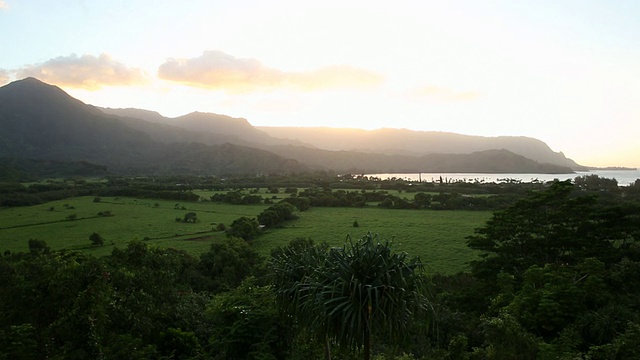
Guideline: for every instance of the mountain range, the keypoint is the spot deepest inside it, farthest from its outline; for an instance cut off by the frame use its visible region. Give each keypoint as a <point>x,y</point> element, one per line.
<point>41,124</point>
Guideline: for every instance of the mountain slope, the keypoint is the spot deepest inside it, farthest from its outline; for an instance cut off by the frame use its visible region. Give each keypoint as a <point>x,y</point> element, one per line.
<point>488,161</point>
<point>207,128</point>
<point>402,145</point>
<point>40,121</point>
<point>409,142</point>
<point>215,128</point>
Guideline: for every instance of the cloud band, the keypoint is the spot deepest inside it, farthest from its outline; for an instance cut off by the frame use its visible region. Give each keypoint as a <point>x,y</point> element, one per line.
<point>87,72</point>
<point>218,70</point>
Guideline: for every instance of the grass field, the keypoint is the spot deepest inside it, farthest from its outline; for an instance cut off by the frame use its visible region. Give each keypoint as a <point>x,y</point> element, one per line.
<point>133,219</point>
<point>438,237</point>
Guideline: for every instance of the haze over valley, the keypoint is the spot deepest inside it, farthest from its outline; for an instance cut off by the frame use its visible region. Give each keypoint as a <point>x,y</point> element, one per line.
<point>43,123</point>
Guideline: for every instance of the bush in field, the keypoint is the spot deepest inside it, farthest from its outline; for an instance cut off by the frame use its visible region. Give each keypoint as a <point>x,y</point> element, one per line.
<point>38,246</point>
<point>96,239</point>
<point>190,217</point>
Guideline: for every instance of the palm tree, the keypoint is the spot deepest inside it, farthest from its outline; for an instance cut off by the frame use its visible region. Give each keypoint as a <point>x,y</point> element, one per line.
<point>292,268</point>
<point>350,293</point>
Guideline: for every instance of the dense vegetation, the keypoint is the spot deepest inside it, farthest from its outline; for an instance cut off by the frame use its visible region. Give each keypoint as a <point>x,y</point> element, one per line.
<point>557,280</point>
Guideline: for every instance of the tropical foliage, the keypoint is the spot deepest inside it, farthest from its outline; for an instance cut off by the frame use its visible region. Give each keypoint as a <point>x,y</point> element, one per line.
<point>349,294</point>
<point>557,280</point>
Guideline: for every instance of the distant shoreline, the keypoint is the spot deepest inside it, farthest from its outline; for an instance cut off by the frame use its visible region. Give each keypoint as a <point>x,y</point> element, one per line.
<point>623,176</point>
<point>613,168</point>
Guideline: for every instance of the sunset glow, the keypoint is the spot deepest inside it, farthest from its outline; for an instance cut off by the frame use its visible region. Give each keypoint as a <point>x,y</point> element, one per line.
<point>567,73</point>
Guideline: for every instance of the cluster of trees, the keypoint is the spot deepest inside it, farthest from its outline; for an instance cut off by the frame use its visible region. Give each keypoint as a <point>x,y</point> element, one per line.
<point>141,302</point>
<point>181,188</point>
<point>16,194</point>
<point>277,214</point>
<point>557,280</point>
<point>415,200</point>
<point>144,302</point>
<point>248,228</point>
<point>322,189</point>
<point>237,198</point>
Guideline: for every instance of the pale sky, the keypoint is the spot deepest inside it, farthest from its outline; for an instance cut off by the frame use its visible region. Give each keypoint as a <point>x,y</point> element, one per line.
<point>565,72</point>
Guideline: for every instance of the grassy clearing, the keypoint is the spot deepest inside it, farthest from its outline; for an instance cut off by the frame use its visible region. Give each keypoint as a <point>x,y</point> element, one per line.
<point>133,219</point>
<point>438,237</point>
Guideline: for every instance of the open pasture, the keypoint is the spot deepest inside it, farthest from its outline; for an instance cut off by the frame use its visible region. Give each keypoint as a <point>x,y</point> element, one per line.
<point>438,237</point>
<point>132,219</point>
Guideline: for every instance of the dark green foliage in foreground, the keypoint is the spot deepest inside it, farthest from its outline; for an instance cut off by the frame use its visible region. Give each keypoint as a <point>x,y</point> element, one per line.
<point>225,265</point>
<point>138,303</point>
<point>556,282</point>
<point>350,294</point>
<point>245,324</point>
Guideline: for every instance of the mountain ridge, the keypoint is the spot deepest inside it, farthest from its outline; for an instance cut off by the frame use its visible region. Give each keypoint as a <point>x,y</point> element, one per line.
<point>413,142</point>
<point>42,122</point>
<point>395,141</point>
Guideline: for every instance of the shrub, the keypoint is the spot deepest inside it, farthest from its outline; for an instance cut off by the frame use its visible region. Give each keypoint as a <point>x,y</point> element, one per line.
<point>96,239</point>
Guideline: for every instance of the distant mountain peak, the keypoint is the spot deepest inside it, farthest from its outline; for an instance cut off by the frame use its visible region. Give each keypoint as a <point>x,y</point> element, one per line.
<point>36,95</point>
<point>31,83</point>
<point>42,122</point>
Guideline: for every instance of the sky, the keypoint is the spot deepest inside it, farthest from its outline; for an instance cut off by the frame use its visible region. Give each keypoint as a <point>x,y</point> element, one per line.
<point>565,72</point>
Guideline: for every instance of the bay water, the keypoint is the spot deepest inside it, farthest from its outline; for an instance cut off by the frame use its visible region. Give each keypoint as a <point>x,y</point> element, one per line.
<point>624,177</point>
